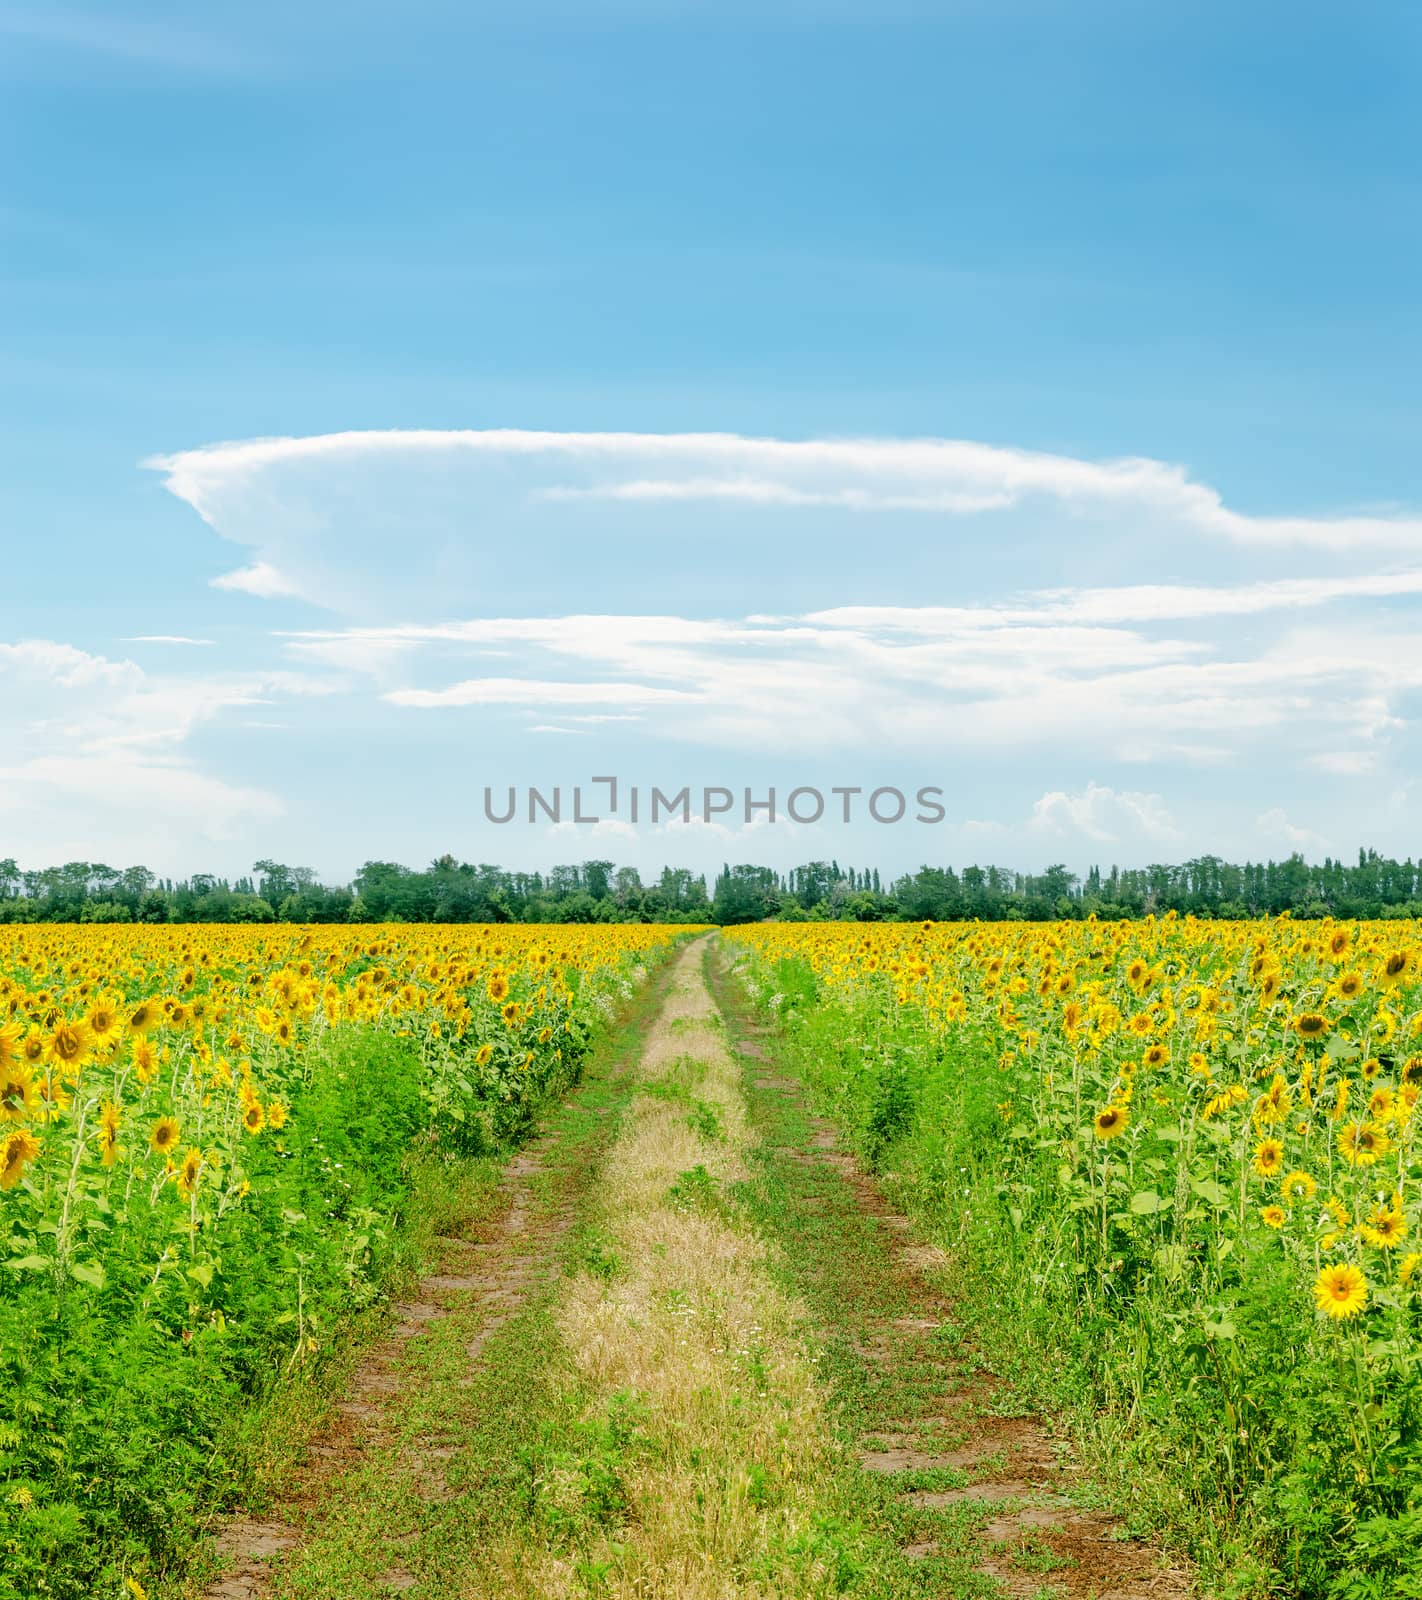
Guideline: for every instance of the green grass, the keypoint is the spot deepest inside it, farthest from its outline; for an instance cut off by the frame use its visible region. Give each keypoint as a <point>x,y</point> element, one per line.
<point>918,1126</point>
<point>487,1435</point>
<point>831,1253</point>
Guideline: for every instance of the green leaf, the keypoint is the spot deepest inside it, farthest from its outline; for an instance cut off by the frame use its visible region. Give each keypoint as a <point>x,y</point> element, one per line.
<point>1145,1202</point>
<point>90,1272</point>
<point>1210,1191</point>
<point>30,1263</point>
<point>201,1273</point>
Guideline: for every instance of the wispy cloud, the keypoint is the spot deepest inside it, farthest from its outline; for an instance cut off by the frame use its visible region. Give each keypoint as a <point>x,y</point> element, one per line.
<point>943,477</point>
<point>1276,827</point>
<point>1104,815</point>
<point>164,44</point>
<point>1136,603</point>
<point>95,743</point>
<point>164,638</point>
<point>1041,675</point>
<point>526,692</point>
<point>260,579</point>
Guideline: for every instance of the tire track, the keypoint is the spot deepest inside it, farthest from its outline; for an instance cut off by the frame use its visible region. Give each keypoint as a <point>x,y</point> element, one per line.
<point>963,1476</point>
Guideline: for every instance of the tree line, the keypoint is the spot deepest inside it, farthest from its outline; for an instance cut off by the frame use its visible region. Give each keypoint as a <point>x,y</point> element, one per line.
<point>600,891</point>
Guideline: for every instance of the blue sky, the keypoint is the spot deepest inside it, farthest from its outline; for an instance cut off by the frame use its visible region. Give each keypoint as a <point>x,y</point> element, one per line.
<point>1014,397</point>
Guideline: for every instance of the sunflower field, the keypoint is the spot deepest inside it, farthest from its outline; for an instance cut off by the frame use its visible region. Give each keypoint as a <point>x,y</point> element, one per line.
<point>1178,1164</point>
<point>205,1144</point>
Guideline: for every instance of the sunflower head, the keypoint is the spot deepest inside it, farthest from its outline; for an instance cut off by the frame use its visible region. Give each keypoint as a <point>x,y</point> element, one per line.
<point>190,1172</point>
<point>1362,1143</point>
<point>67,1044</point>
<point>1111,1122</point>
<point>1298,1186</point>
<point>102,1022</point>
<point>1386,1227</point>
<point>18,1095</point>
<point>1398,967</point>
<point>145,1060</point>
<point>109,1118</point>
<point>17,1149</point>
<point>1268,1157</point>
<point>1340,1292</point>
<point>165,1135</point>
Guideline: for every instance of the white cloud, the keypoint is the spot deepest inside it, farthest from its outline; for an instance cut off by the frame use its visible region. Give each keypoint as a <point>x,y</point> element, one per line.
<point>65,666</point>
<point>1346,763</point>
<point>260,579</point>
<point>758,491</point>
<point>53,799</point>
<point>605,828</point>
<point>1136,603</point>
<point>95,756</point>
<point>1104,814</point>
<point>526,692</point>
<point>164,638</point>
<point>1274,824</point>
<point>1043,674</point>
<point>159,44</point>
<point>948,477</point>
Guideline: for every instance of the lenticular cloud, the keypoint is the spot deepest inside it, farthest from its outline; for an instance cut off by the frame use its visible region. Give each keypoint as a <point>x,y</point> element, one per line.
<point>425,522</point>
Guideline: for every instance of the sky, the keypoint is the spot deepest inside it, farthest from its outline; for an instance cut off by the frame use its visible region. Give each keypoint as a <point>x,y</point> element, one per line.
<point>1014,398</point>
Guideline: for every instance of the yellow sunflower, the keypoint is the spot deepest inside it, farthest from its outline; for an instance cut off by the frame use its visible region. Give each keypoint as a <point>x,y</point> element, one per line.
<point>1268,1157</point>
<point>144,1018</point>
<point>1340,1292</point>
<point>1298,1186</point>
<point>165,1135</point>
<point>1385,1227</point>
<point>190,1173</point>
<point>67,1044</point>
<point>109,1119</point>
<point>1398,967</point>
<point>1111,1122</point>
<point>1362,1143</point>
<point>18,1094</point>
<point>17,1150</point>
